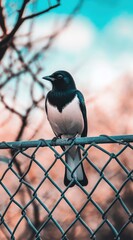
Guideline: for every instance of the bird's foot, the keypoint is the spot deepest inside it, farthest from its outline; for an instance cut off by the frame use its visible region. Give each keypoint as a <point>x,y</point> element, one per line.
<point>54,139</point>
<point>73,137</point>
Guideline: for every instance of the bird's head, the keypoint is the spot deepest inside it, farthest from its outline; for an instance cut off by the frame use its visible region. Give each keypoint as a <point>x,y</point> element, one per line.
<point>61,80</point>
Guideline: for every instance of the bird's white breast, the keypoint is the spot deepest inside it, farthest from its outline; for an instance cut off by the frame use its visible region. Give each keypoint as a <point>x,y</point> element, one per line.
<point>69,122</point>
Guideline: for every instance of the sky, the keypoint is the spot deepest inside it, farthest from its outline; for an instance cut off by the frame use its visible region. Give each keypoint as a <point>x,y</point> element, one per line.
<point>97,47</point>
<point>100,12</point>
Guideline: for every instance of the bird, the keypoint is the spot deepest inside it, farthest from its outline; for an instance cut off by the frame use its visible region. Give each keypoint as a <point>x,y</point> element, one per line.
<point>66,113</point>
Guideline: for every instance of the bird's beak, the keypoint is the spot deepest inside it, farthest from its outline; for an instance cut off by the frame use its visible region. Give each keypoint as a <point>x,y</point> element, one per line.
<point>49,78</point>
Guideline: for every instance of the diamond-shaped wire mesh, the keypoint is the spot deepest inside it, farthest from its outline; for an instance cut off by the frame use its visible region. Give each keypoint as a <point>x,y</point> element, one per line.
<point>35,204</point>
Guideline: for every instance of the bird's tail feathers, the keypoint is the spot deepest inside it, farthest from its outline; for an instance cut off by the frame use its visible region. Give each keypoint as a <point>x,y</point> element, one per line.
<point>73,158</point>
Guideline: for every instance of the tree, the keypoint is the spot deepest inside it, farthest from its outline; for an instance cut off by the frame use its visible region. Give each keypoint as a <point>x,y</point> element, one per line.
<point>22,61</point>
<point>22,91</point>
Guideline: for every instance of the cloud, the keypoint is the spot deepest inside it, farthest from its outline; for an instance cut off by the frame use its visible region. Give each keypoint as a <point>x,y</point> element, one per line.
<point>76,37</point>
<point>112,55</point>
<point>121,27</point>
<point>95,57</point>
<point>117,37</point>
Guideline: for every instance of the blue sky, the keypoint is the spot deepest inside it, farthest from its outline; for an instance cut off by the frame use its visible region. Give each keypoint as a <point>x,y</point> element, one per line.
<point>99,41</point>
<point>96,47</point>
<point>100,12</point>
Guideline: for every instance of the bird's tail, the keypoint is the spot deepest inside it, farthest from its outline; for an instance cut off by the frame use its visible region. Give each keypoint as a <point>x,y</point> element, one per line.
<point>73,158</point>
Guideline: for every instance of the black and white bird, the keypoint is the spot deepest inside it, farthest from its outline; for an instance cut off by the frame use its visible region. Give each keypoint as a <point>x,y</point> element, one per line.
<point>66,112</point>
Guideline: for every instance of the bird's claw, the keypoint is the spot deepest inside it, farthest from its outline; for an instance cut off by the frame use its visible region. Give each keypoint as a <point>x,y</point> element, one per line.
<point>54,139</point>
<point>72,138</point>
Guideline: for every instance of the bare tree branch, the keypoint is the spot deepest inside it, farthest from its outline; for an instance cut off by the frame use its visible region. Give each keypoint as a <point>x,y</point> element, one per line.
<point>41,12</point>
<point>2,19</point>
<point>8,38</point>
<point>11,109</point>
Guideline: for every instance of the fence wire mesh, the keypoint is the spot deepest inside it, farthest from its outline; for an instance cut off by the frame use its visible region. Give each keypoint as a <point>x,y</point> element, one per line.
<point>35,204</point>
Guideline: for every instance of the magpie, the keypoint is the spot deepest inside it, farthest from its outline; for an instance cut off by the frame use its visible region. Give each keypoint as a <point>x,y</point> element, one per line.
<point>66,113</point>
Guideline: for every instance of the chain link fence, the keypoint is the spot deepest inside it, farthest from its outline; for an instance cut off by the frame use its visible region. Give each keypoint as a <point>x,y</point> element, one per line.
<point>35,204</point>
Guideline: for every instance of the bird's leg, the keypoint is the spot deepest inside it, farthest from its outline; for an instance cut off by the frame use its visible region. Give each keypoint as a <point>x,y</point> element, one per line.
<point>55,138</point>
<point>73,137</point>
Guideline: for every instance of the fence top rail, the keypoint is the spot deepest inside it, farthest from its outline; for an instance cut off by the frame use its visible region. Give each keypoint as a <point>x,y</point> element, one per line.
<point>120,139</point>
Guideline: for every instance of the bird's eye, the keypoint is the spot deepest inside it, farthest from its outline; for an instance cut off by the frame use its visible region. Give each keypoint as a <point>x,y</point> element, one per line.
<point>60,76</point>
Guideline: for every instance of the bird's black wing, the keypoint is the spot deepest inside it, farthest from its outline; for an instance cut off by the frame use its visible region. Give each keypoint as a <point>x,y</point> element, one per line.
<point>46,104</point>
<point>83,110</point>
